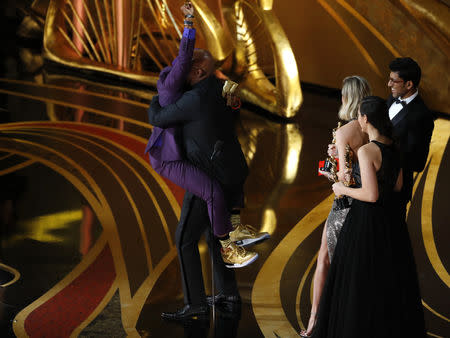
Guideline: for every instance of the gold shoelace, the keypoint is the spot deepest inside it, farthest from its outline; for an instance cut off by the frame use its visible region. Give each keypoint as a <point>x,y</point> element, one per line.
<point>250,229</point>
<point>240,251</point>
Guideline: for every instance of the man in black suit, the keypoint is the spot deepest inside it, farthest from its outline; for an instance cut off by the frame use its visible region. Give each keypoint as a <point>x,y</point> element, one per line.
<point>207,130</point>
<point>412,121</point>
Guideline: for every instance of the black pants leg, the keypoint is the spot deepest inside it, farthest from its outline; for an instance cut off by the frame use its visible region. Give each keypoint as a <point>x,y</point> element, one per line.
<point>402,210</point>
<point>194,221</point>
<point>224,278</point>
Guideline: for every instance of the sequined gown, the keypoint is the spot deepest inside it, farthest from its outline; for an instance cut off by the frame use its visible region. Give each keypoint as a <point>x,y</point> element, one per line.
<point>372,288</point>
<point>336,218</point>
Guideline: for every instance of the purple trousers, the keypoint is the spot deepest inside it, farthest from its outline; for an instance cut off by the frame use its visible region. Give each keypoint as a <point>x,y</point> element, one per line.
<point>196,181</point>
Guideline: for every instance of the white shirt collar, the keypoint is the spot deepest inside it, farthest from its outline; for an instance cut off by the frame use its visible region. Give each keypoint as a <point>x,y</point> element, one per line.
<point>412,97</point>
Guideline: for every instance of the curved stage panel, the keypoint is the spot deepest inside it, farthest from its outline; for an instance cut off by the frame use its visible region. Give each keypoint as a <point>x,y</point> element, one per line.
<point>129,272</point>
<point>87,227</point>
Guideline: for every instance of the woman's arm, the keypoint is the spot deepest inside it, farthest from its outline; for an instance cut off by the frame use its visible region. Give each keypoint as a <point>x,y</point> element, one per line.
<point>341,143</point>
<point>369,185</point>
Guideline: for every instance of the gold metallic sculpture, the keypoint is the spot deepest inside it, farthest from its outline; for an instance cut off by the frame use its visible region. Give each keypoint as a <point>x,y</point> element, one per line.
<point>269,80</point>
<point>229,88</point>
<point>427,42</point>
<point>331,163</point>
<point>434,18</point>
<point>92,35</point>
<point>371,27</point>
<point>349,179</point>
<point>331,166</point>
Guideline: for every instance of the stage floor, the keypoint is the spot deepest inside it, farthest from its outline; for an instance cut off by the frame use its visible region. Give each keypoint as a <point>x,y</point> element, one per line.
<point>87,244</point>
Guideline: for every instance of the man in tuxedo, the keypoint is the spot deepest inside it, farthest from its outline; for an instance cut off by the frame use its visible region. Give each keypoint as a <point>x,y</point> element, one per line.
<point>208,140</point>
<point>412,122</point>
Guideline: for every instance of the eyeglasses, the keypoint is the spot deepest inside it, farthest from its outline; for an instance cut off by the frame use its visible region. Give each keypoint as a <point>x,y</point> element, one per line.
<point>391,80</point>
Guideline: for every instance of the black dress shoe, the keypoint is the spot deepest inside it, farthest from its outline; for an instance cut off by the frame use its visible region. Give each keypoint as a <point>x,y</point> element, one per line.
<point>188,312</point>
<point>222,299</point>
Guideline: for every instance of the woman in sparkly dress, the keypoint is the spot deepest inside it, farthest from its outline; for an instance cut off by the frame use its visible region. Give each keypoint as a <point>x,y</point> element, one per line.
<point>354,89</point>
<point>372,288</point>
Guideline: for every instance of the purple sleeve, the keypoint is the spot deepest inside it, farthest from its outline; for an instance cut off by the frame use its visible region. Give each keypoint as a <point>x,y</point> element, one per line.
<point>171,84</point>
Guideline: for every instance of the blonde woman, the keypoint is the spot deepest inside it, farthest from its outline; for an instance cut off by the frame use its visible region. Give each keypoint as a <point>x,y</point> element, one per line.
<point>372,289</point>
<point>354,89</point>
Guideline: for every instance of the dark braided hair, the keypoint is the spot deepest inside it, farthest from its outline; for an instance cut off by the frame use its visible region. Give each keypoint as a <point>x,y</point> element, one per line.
<point>377,112</point>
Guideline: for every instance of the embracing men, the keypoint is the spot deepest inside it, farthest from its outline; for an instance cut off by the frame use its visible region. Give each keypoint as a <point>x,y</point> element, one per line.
<point>194,144</point>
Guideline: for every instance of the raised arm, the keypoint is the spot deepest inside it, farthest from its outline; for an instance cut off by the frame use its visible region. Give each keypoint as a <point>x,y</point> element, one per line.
<point>175,79</point>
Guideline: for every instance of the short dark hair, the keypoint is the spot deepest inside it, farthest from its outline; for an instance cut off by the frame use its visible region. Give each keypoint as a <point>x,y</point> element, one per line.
<point>407,69</point>
<point>202,55</point>
<point>377,112</point>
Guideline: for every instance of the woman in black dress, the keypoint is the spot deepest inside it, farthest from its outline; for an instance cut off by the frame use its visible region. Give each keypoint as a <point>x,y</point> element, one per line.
<point>372,288</point>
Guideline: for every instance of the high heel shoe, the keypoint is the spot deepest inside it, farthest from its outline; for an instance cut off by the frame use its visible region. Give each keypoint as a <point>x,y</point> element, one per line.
<point>303,333</point>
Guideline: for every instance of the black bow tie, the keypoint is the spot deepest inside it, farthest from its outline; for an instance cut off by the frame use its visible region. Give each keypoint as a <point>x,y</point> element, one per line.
<point>403,103</point>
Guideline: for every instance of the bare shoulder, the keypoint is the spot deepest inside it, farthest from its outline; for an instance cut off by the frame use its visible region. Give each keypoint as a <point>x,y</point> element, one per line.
<point>367,150</point>
<point>347,131</point>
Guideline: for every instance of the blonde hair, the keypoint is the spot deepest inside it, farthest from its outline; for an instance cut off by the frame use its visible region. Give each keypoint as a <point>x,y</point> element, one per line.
<point>354,89</point>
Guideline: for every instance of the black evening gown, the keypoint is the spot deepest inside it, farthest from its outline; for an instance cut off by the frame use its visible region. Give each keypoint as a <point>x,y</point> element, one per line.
<point>372,288</point>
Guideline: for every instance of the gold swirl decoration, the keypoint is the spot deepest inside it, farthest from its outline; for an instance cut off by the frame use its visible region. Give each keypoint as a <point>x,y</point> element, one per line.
<point>383,30</point>
<point>96,36</point>
<point>73,150</point>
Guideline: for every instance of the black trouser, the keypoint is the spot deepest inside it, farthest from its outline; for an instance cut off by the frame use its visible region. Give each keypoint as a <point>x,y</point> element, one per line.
<point>398,205</point>
<point>194,221</point>
<point>403,204</point>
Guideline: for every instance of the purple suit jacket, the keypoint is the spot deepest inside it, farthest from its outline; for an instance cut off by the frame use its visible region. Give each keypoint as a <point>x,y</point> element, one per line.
<point>162,145</point>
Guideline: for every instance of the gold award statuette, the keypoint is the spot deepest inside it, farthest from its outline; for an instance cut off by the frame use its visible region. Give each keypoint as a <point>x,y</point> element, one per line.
<point>342,202</point>
<point>229,88</point>
<point>349,180</point>
<point>332,160</point>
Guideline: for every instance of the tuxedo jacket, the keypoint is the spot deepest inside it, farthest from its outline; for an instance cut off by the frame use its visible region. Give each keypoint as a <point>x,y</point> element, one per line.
<point>412,129</point>
<point>204,118</point>
<point>162,144</point>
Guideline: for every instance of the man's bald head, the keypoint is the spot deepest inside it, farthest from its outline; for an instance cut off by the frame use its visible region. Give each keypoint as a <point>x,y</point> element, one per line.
<point>203,65</point>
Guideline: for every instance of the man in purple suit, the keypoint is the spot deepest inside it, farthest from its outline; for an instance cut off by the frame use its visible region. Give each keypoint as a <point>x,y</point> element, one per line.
<point>187,125</point>
<point>166,156</point>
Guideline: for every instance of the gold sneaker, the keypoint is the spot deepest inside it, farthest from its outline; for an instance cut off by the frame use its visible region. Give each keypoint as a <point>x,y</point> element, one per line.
<point>244,235</point>
<point>235,256</point>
